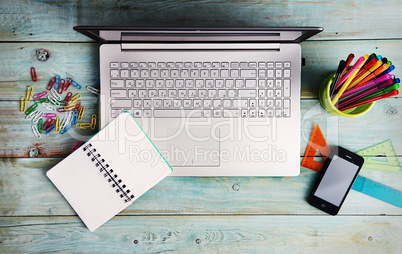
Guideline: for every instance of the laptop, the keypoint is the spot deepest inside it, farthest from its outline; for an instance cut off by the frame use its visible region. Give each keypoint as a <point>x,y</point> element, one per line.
<point>215,101</point>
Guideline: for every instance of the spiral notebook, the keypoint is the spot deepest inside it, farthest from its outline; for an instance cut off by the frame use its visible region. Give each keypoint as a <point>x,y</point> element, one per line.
<point>110,171</point>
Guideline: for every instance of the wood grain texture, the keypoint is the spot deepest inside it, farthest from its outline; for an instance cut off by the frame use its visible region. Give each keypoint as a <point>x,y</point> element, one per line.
<point>204,234</point>
<point>25,191</point>
<point>23,20</point>
<point>81,61</point>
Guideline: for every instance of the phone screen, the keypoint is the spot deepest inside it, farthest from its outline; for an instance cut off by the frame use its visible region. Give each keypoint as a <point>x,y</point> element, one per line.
<point>336,181</point>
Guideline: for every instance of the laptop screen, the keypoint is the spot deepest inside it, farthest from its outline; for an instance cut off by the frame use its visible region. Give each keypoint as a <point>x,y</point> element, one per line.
<point>198,34</point>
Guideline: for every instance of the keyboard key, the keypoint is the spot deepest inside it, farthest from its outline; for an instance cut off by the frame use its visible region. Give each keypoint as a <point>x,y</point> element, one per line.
<point>217,113</point>
<point>286,64</point>
<point>139,83</point>
<point>135,73</point>
<point>253,113</point>
<point>144,73</point>
<point>194,73</point>
<point>152,93</point>
<point>278,73</point>
<point>114,65</point>
<point>286,112</point>
<point>115,103</point>
<point>270,64</point>
<point>286,103</point>
<point>231,113</point>
<point>132,93</point>
<point>251,83</point>
<point>124,65</point>
<point>137,103</point>
<point>224,73</point>
<point>286,73</point>
<point>278,64</point>
<point>247,93</point>
<point>115,113</point>
<point>147,113</point>
<point>134,65</point>
<point>248,73</point>
<point>157,103</point>
<point>129,83</point>
<point>261,113</point>
<point>234,73</point>
<point>114,93</point>
<point>114,73</point>
<point>229,83</point>
<point>137,113</point>
<point>147,103</point>
<point>286,88</point>
<point>116,83</point>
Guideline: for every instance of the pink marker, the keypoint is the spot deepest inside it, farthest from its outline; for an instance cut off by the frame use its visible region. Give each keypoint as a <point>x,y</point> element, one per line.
<point>352,70</point>
<point>373,82</point>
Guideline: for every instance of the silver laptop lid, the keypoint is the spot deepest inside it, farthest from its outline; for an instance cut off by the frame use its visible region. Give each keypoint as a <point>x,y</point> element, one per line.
<point>198,34</point>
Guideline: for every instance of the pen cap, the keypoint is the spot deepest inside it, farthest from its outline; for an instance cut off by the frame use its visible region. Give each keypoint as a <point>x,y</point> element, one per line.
<point>390,94</point>
<point>391,88</point>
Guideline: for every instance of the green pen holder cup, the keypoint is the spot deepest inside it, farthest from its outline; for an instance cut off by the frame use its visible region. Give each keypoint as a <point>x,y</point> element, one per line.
<point>327,104</point>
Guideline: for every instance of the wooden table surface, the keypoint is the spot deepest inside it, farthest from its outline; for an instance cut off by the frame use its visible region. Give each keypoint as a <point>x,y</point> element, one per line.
<point>186,214</point>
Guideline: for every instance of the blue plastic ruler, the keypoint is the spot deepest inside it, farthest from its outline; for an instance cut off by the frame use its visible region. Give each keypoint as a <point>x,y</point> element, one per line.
<point>378,191</point>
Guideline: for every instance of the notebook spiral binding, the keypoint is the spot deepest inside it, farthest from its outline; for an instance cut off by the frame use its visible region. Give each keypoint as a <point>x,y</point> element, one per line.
<point>108,173</point>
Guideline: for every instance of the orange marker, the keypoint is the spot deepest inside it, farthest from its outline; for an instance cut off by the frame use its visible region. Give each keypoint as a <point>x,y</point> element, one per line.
<point>372,69</point>
<point>372,75</point>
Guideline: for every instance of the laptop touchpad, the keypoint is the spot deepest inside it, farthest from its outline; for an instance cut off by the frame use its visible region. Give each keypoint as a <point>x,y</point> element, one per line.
<point>195,147</point>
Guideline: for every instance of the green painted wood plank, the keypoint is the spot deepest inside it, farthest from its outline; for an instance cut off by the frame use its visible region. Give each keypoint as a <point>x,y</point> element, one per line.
<point>50,20</point>
<point>81,61</point>
<point>383,123</point>
<point>26,191</point>
<point>205,234</point>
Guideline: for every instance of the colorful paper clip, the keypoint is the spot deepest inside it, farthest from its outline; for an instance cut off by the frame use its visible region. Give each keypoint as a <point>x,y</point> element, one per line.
<point>23,104</point>
<point>36,132</point>
<point>48,106</point>
<point>68,84</point>
<point>64,130</point>
<point>74,83</point>
<point>54,101</point>
<point>29,93</point>
<point>93,121</point>
<point>49,129</point>
<point>67,99</point>
<point>39,95</point>
<point>33,74</point>
<point>31,108</point>
<point>61,86</point>
<point>75,117</point>
<point>32,114</point>
<point>51,83</point>
<point>49,115</point>
<point>38,116</point>
<point>40,125</point>
<point>55,94</point>
<point>81,114</point>
<point>83,125</point>
<point>75,98</point>
<point>57,84</point>
<point>62,110</point>
<point>77,105</point>
<point>58,124</point>
<point>77,145</point>
<point>93,90</point>
<point>64,122</point>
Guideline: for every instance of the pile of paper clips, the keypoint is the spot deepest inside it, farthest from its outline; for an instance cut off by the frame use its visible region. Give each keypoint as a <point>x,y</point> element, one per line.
<point>50,99</point>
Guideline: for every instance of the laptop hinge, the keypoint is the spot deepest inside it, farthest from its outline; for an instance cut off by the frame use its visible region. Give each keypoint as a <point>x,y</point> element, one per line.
<point>200,46</point>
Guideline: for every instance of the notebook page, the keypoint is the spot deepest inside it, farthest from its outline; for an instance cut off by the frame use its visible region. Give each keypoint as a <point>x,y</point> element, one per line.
<point>137,162</point>
<point>85,188</point>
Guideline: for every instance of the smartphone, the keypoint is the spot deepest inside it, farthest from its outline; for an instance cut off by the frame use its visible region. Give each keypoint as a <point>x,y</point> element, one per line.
<point>337,177</point>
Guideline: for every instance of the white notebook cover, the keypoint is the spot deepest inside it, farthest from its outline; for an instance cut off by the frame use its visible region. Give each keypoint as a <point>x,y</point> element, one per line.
<point>126,152</point>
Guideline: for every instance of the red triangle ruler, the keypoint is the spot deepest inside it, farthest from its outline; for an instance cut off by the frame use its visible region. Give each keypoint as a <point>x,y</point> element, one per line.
<point>317,142</point>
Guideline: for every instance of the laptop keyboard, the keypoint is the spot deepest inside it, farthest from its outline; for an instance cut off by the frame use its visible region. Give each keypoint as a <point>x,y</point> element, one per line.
<point>201,89</point>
